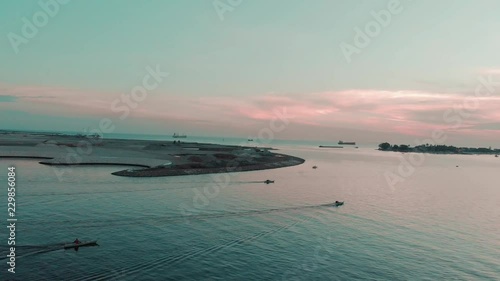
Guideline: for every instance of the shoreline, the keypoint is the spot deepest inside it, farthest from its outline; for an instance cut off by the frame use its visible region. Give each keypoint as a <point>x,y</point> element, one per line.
<point>152,158</point>
<point>494,153</point>
<point>184,171</point>
<point>439,149</point>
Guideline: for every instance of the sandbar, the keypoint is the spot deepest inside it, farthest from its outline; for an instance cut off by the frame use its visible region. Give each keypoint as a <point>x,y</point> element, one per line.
<point>147,158</point>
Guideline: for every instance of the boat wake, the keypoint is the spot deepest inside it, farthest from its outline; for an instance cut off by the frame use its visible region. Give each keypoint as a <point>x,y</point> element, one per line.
<point>168,261</point>
<point>174,219</point>
<point>30,250</point>
<point>101,192</point>
<point>130,190</point>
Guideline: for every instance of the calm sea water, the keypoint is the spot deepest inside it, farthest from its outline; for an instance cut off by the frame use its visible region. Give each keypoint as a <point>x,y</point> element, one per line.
<point>441,223</point>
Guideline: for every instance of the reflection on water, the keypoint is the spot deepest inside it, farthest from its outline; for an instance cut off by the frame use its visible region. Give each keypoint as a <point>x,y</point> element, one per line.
<point>440,223</point>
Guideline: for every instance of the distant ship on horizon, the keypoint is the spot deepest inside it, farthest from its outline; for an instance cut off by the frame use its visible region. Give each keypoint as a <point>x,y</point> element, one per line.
<point>177,136</point>
<point>347,142</point>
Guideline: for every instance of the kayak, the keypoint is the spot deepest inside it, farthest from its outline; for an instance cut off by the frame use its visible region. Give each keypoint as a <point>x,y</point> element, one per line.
<point>81,244</point>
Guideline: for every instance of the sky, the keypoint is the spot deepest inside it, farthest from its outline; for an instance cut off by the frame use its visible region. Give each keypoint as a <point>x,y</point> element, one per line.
<point>367,71</point>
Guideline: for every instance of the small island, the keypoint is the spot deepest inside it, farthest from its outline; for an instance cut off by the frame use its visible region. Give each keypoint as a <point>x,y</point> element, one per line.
<point>148,158</point>
<point>437,149</point>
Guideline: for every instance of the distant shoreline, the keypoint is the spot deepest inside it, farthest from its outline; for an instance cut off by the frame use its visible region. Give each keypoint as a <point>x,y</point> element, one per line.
<point>438,149</point>
<point>153,158</point>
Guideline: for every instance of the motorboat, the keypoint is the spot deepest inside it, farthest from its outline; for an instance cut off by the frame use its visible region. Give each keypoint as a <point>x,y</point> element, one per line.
<point>269,181</point>
<point>338,203</point>
<point>81,244</point>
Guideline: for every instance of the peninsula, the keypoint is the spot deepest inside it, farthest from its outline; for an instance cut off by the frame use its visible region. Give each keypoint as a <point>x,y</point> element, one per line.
<point>149,158</point>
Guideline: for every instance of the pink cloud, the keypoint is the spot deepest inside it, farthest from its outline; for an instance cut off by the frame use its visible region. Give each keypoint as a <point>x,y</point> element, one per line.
<point>489,71</point>
<point>413,113</point>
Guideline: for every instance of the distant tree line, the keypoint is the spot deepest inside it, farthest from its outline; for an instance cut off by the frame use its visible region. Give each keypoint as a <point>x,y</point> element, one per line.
<point>445,149</point>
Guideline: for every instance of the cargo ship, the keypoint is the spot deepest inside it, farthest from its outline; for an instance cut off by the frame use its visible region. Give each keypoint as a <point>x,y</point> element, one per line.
<point>347,143</point>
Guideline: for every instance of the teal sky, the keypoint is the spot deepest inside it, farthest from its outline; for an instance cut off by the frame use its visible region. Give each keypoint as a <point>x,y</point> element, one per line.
<point>92,51</point>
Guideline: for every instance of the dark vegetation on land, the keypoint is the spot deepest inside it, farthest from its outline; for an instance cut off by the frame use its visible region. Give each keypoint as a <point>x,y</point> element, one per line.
<point>437,149</point>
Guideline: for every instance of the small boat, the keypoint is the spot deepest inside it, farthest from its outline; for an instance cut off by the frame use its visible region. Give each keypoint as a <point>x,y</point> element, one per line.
<point>268,181</point>
<point>338,203</point>
<point>177,136</point>
<point>250,139</point>
<point>315,167</point>
<point>81,244</point>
